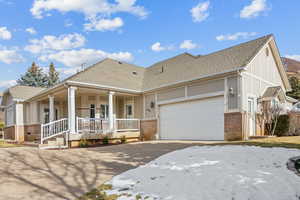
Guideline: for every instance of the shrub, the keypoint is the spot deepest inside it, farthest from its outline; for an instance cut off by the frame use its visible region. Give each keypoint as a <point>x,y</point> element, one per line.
<point>83,143</point>
<point>282,127</point>
<point>123,139</point>
<point>105,140</point>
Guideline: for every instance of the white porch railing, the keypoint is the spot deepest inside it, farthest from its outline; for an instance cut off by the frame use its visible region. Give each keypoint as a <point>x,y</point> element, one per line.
<point>54,129</point>
<point>127,124</point>
<point>92,125</point>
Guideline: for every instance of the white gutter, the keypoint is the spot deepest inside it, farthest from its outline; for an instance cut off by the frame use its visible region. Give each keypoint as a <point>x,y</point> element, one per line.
<point>102,86</point>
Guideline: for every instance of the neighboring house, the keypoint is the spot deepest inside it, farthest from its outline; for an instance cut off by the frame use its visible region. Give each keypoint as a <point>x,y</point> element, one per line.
<point>292,67</point>
<point>208,97</point>
<point>14,102</point>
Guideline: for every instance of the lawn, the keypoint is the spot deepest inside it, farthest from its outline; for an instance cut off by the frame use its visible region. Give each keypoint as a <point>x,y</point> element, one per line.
<point>4,144</point>
<point>287,142</point>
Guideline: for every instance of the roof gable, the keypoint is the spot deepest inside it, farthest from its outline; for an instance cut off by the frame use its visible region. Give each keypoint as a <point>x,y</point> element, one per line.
<point>112,73</point>
<point>22,92</point>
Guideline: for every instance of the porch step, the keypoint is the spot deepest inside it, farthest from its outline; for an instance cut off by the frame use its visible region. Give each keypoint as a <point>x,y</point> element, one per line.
<point>46,146</point>
<point>58,143</point>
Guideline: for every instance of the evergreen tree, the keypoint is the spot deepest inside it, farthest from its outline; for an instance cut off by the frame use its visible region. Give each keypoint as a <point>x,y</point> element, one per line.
<point>53,76</point>
<point>295,84</point>
<point>33,77</point>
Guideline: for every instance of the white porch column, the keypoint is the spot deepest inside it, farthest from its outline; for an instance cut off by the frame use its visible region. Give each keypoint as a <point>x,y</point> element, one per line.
<point>51,108</point>
<point>72,110</point>
<point>111,110</point>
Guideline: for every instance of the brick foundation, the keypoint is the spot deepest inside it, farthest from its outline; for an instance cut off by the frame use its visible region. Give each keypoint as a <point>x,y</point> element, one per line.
<point>9,133</point>
<point>32,132</point>
<point>148,129</point>
<point>233,126</point>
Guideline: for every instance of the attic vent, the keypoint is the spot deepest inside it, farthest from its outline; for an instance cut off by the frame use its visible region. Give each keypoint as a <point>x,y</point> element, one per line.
<point>267,51</point>
<point>134,73</point>
<point>161,70</point>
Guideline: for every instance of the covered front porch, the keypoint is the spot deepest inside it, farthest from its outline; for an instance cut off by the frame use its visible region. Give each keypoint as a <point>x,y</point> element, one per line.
<point>89,113</point>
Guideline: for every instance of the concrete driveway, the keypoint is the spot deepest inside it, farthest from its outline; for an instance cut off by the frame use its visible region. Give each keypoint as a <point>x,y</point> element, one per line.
<point>29,173</point>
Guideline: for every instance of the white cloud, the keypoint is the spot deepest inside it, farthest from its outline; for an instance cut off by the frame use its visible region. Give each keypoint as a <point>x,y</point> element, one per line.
<point>188,44</point>
<point>10,56</point>
<point>50,42</point>
<point>236,36</point>
<point>31,30</point>
<point>157,47</point>
<point>256,8</point>
<point>8,83</point>
<point>200,11</point>
<point>74,58</point>
<point>5,34</point>
<point>89,8</point>
<point>104,24</point>
<point>294,56</point>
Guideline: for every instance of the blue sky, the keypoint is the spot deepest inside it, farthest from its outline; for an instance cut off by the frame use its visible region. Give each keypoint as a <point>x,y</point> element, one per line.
<point>75,32</point>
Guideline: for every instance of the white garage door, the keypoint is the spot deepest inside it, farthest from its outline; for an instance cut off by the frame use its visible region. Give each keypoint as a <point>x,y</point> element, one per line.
<point>193,120</point>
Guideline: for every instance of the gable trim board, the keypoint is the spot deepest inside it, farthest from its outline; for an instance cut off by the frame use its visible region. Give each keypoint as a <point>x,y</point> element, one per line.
<point>279,63</point>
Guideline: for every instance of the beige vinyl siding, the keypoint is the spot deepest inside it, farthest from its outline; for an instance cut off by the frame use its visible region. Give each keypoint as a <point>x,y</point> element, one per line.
<point>149,112</point>
<point>205,87</point>
<point>262,73</point>
<point>171,94</point>
<point>232,83</point>
<point>31,111</point>
<point>265,67</point>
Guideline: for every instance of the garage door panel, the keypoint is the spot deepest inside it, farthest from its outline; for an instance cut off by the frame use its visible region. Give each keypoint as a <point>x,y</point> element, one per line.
<point>193,120</point>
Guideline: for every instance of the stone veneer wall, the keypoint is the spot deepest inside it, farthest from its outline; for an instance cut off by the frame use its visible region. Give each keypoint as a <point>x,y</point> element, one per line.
<point>32,132</point>
<point>233,126</point>
<point>148,129</point>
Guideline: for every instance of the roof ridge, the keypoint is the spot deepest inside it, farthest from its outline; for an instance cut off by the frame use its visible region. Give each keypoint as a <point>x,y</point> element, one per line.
<point>185,53</point>
<point>240,44</point>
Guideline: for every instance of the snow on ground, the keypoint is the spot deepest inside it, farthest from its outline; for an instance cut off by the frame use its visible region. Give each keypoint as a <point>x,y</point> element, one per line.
<point>213,172</point>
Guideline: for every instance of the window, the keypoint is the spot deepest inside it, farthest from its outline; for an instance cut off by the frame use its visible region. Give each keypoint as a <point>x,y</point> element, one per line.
<point>46,115</point>
<point>92,111</point>
<point>104,111</point>
<point>129,109</point>
<point>267,51</point>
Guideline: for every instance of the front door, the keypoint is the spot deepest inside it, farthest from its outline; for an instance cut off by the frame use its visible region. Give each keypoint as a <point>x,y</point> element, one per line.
<point>128,111</point>
<point>251,117</point>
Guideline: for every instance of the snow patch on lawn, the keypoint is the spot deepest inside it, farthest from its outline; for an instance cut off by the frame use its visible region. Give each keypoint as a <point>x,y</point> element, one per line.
<point>213,172</point>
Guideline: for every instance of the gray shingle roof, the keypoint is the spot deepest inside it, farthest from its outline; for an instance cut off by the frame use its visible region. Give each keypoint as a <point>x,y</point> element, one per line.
<point>24,92</point>
<point>180,68</point>
<point>112,73</point>
<point>187,67</point>
<point>271,92</point>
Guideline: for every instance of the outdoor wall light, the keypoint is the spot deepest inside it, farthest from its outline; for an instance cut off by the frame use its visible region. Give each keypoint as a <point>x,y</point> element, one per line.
<point>152,104</point>
<point>231,91</point>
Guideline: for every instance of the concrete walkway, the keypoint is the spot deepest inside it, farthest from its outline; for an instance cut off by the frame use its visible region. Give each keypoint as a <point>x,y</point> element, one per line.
<point>29,173</point>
